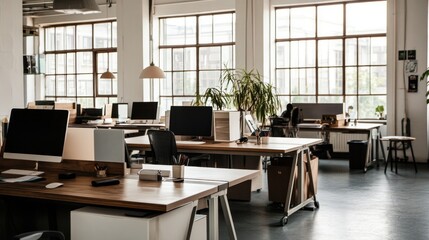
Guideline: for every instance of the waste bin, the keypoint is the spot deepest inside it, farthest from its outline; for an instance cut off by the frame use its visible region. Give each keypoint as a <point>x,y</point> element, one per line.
<point>357,154</point>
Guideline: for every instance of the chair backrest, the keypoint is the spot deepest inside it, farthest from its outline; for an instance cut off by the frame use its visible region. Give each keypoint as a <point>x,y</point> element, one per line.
<point>295,116</point>
<point>163,145</point>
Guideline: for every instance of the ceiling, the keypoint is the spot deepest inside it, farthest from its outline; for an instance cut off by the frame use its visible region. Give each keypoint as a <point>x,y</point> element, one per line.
<point>42,8</point>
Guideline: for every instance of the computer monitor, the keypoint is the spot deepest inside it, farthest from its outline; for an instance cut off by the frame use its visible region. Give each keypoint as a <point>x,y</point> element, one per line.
<point>92,112</point>
<point>120,110</point>
<point>36,135</point>
<point>195,121</point>
<point>144,111</point>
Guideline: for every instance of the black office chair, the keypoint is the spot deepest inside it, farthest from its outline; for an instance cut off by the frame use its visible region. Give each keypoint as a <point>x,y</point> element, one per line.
<point>40,235</point>
<point>163,145</point>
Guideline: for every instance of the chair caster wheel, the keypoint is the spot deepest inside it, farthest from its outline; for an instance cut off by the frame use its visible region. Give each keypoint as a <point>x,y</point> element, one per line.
<point>258,190</point>
<point>283,221</point>
<point>316,204</point>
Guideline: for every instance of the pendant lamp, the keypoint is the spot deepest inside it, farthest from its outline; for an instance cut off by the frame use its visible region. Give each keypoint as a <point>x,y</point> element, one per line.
<point>107,74</point>
<point>152,71</point>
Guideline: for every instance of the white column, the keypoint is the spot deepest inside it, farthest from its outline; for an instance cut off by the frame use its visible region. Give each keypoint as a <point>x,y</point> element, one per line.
<point>253,36</point>
<point>11,52</point>
<point>133,47</point>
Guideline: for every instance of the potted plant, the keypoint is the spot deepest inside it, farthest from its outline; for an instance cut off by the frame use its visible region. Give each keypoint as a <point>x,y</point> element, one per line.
<point>379,111</point>
<point>425,74</point>
<point>247,92</point>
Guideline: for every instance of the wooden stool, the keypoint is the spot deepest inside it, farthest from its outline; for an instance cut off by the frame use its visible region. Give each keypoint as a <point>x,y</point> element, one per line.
<point>393,140</point>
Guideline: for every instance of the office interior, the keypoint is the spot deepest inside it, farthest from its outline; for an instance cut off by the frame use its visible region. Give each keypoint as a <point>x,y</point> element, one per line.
<point>406,29</point>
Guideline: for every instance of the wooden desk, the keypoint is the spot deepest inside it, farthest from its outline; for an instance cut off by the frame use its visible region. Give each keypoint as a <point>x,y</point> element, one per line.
<point>365,128</point>
<point>276,146</point>
<point>131,193</point>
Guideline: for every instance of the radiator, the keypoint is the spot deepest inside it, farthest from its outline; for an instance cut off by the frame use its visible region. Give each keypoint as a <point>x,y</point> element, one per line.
<point>339,140</point>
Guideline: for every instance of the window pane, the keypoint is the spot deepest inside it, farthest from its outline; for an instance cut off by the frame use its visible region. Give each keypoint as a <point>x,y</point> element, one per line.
<point>190,55</point>
<point>303,53</point>
<point>367,104</point>
<point>190,83</point>
<point>86,102</point>
<point>206,29</point>
<point>172,31</point>
<point>208,79</point>
<point>71,85</point>
<point>210,58</point>
<point>50,39</point>
<point>330,20</point>
<point>61,64</point>
<point>378,80</point>
<point>70,37</point>
<point>50,63</point>
<point>102,36</point>
<point>101,62</point>
<point>60,39</point>
<point>351,80</point>
<point>330,99</point>
<point>84,85</point>
<point>282,23</point>
<point>282,54</point>
<point>165,59</point>
<point>71,62</point>
<point>303,81</point>
<point>351,52</point>
<point>84,62</point>
<point>282,81</point>
<point>165,86</point>
<point>84,36</point>
<point>61,85</point>
<point>303,22</point>
<point>330,53</point>
<point>366,17</point>
<point>351,101</point>
<point>178,83</point>
<point>114,34</point>
<point>191,30</point>
<point>104,86</point>
<point>222,28</point>
<point>228,57</point>
<point>50,86</point>
<point>330,81</point>
<point>378,51</point>
<point>364,80</point>
<point>113,62</point>
<point>178,59</point>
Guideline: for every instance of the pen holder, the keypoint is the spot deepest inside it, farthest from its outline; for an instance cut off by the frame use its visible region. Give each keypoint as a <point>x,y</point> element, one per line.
<point>178,171</point>
<point>101,173</point>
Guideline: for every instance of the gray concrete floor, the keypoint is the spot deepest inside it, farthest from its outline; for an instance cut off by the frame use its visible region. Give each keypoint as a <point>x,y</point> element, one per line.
<point>353,205</point>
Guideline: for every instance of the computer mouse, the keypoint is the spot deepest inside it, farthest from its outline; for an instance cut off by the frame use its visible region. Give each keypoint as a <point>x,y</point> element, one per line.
<point>54,185</point>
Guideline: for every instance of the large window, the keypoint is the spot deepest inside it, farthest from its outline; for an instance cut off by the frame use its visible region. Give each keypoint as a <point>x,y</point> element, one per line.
<point>76,55</point>
<point>332,53</point>
<point>193,52</point>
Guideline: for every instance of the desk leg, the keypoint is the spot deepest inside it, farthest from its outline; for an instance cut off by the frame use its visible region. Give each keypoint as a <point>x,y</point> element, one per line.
<point>310,175</point>
<point>287,209</point>
<point>214,217</point>
<point>227,215</point>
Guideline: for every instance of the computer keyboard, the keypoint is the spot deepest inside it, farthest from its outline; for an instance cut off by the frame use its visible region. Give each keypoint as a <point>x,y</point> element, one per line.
<point>23,172</point>
<point>190,142</point>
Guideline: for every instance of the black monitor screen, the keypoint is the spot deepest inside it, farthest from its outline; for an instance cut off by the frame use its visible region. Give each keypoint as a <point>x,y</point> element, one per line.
<point>36,134</point>
<point>144,110</point>
<point>119,109</point>
<point>191,120</point>
<point>93,112</point>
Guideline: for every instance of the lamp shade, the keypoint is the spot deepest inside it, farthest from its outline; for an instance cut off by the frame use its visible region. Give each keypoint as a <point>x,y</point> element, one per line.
<point>152,72</point>
<point>76,6</point>
<point>107,75</point>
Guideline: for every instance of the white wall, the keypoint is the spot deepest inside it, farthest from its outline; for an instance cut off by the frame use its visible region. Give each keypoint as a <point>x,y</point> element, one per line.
<point>411,34</point>
<point>11,52</point>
